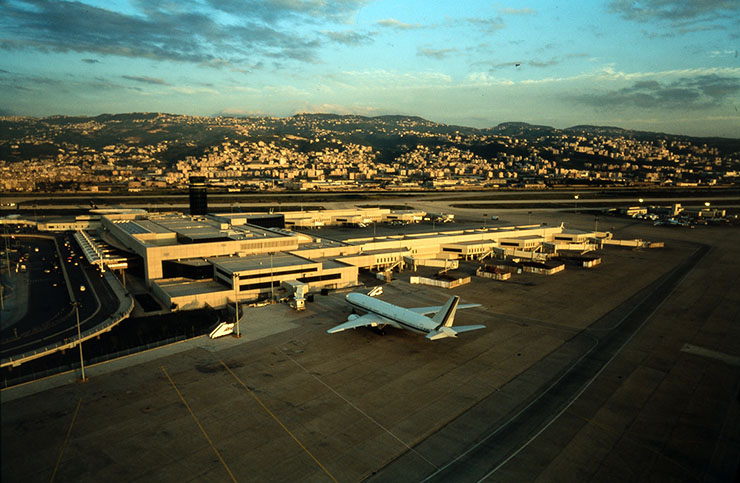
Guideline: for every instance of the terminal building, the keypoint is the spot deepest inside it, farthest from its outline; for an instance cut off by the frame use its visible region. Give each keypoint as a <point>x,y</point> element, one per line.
<point>192,261</point>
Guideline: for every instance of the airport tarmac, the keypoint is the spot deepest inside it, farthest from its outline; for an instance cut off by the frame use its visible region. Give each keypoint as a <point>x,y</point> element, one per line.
<point>288,402</point>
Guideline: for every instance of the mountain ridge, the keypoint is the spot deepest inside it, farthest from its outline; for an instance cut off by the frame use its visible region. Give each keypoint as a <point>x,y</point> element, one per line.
<point>511,128</point>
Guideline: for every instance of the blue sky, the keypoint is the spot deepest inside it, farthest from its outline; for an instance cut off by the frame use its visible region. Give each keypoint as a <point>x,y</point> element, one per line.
<point>653,65</point>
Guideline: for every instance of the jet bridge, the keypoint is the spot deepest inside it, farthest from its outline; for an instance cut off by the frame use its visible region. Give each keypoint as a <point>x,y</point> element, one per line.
<point>97,253</point>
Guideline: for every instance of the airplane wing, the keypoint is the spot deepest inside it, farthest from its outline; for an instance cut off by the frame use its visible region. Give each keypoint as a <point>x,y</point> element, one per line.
<point>466,328</point>
<point>444,332</point>
<point>433,310</point>
<point>367,320</point>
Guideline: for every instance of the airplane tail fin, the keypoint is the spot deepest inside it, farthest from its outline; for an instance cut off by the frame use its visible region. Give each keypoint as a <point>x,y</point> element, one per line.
<point>446,315</point>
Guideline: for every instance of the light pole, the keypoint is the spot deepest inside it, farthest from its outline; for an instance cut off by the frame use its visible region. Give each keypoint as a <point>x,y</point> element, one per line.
<point>575,206</point>
<point>272,282</point>
<point>484,219</point>
<point>400,256</point>
<point>79,336</point>
<point>7,251</point>
<point>235,280</point>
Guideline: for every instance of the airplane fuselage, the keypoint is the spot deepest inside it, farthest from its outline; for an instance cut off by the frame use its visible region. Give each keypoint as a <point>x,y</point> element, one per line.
<point>395,315</point>
<point>415,319</point>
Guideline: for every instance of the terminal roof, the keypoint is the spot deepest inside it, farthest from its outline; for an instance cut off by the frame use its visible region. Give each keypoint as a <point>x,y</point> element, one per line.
<point>259,262</point>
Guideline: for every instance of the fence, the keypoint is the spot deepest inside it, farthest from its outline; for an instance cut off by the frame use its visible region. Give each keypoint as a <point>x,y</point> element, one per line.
<point>95,360</point>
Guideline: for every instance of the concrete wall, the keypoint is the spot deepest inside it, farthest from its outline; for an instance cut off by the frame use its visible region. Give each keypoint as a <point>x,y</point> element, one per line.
<point>494,276</point>
<point>215,299</point>
<point>543,270</point>
<point>439,283</point>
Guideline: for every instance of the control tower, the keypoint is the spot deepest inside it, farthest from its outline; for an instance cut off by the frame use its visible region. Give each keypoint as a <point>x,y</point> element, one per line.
<point>198,196</point>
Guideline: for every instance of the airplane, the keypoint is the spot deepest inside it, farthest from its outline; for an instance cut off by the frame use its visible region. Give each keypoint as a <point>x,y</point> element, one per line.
<point>380,313</point>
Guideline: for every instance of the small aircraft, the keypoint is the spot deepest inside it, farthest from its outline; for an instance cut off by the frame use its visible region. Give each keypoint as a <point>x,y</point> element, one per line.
<point>380,314</point>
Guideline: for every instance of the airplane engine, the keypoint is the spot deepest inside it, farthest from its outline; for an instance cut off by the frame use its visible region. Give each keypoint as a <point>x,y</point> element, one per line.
<point>352,317</point>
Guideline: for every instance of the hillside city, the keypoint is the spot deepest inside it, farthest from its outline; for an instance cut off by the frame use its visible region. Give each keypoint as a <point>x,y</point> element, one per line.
<point>154,151</point>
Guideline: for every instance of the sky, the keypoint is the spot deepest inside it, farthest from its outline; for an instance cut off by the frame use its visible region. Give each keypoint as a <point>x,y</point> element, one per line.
<point>654,65</point>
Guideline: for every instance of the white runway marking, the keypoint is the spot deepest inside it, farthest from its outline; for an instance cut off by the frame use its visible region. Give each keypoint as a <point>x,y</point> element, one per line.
<point>720,356</point>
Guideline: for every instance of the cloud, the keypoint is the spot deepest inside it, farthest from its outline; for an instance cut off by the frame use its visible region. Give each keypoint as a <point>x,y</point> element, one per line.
<point>679,12</point>
<point>438,54</point>
<point>517,11</point>
<point>239,112</point>
<point>41,84</point>
<point>723,53</point>
<point>358,110</point>
<point>544,63</point>
<point>487,24</point>
<point>91,61</point>
<point>494,66</point>
<point>555,60</point>
<point>396,24</point>
<point>145,80</point>
<point>288,11</point>
<point>390,79</point>
<point>522,63</point>
<point>193,90</point>
<point>703,91</point>
<point>349,37</point>
<point>183,31</point>
<point>716,87</point>
<point>485,79</point>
